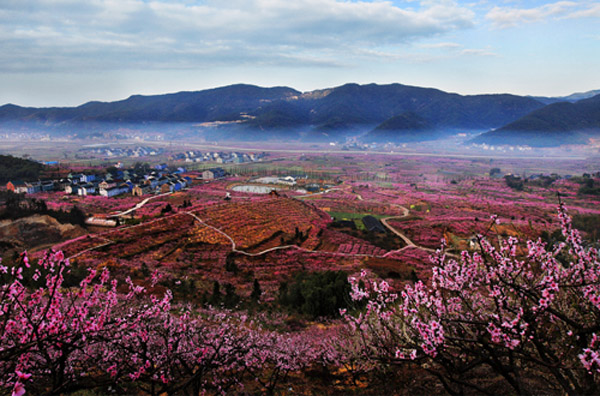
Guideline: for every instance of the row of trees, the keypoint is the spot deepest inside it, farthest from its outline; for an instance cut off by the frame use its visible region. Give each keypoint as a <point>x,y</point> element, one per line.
<point>56,339</point>
<point>589,186</point>
<point>17,206</point>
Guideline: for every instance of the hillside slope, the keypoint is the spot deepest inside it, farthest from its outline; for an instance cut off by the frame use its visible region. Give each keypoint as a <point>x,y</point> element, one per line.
<point>552,125</point>
<point>405,127</point>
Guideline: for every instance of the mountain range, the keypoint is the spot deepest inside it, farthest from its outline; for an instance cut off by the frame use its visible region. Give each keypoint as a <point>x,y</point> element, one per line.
<point>374,113</point>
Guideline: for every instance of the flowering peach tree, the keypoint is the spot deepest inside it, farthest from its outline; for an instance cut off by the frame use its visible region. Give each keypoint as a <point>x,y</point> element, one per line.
<point>528,319</point>
<point>56,338</point>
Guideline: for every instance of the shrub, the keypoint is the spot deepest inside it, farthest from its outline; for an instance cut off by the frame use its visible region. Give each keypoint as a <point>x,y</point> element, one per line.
<point>316,293</point>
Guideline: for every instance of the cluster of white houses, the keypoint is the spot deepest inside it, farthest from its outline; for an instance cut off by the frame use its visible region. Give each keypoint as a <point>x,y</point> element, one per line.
<point>139,151</point>
<point>218,157</point>
<point>108,185</point>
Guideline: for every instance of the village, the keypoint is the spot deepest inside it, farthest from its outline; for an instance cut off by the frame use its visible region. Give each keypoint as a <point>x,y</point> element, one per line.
<point>189,156</point>
<point>218,156</point>
<point>158,180</point>
<point>110,151</point>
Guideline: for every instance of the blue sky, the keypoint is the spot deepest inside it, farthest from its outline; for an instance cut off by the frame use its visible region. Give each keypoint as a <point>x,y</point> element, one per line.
<point>67,52</point>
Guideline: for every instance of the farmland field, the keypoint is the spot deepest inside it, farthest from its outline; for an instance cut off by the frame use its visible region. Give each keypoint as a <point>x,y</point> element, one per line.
<point>419,202</point>
<point>215,247</point>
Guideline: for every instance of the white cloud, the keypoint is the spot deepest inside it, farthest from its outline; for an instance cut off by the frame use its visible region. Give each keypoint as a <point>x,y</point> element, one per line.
<point>440,45</point>
<point>593,11</point>
<point>505,17</point>
<point>453,50</point>
<point>477,52</point>
<point>64,34</point>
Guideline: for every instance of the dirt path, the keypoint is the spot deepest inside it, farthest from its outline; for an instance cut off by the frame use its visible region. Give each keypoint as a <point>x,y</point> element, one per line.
<point>407,240</point>
<point>107,242</point>
<point>284,247</point>
<point>402,236</point>
<point>139,205</point>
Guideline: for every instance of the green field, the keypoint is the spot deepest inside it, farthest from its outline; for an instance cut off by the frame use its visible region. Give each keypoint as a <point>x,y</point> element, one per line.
<point>357,217</point>
<point>352,216</point>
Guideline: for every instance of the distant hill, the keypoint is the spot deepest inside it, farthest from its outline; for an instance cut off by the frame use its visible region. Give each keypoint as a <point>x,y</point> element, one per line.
<point>405,127</point>
<point>582,95</point>
<point>219,104</point>
<point>279,115</point>
<point>319,114</point>
<point>552,125</point>
<point>570,98</point>
<point>404,121</point>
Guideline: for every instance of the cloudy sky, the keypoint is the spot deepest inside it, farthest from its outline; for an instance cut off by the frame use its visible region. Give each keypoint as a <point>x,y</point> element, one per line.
<point>67,52</point>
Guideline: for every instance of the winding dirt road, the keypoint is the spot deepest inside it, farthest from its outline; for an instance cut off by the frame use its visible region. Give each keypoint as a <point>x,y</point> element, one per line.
<point>138,205</point>
<point>405,213</point>
<point>409,243</point>
<point>284,247</point>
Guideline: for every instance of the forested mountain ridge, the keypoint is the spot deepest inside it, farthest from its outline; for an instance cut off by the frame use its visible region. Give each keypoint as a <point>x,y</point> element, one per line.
<point>282,108</point>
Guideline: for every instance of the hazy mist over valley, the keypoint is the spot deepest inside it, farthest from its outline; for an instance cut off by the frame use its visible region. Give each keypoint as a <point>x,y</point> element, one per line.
<point>370,116</point>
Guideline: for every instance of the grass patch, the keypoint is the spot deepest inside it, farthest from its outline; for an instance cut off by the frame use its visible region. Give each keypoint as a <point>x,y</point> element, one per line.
<point>360,225</point>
